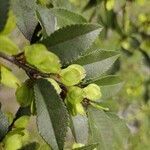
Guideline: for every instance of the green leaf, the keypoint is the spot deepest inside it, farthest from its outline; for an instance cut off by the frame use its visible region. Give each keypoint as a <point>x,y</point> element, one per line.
<point>79,127</point>
<point>8,79</point>
<point>66,17</point>
<point>70,42</point>
<point>110,85</point>
<point>4,124</point>
<point>4,8</point>
<point>52,117</point>
<point>7,46</point>
<point>88,147</point>
<point>47,20</point>
<point>61,3</point>
<point>98,62</point>
<point>25,14</point>
<point>107,129</point>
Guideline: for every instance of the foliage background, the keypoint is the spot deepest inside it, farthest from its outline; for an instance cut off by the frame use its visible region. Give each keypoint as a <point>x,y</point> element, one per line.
<point>132,38</point>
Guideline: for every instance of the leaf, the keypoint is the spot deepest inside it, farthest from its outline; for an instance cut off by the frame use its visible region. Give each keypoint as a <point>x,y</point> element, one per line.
<point>7,46</point>
<point>66,17</point>
<point>8,79</point>
<point>4,124</point>
<point>25,14</point>
<point>4,8</point>
<point>52,117</point>
<point>79,127</point>
<point>62,3</point>
<point>110,85</point>
<point>70,42</point>
<point>98,62</point>
<point>47,20</point>
<point>88,147</point>
<point>107,129</point>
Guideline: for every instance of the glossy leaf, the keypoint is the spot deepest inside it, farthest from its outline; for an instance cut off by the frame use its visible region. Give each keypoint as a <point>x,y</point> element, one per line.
<point>4,124</point>
<point>52,118</point>
<point>4,8</point>
<point>98,62</point>
<point>107,129</point>
<point>7,46</point>
<point>70,42</point>
<point>25,14</point>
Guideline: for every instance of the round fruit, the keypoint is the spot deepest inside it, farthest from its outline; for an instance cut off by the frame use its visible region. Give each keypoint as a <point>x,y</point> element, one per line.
<point>38,56</point>
<point>75,95</point>
<point>92,92</point>
<point>72,75</point>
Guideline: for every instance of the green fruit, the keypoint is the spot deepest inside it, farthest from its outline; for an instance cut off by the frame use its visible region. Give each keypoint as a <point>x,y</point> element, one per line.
<point>55,84</point>
<point>79,109</point>
<point>92,92</point>
<point>75,109</point>
<point>72,75</point>
<point>22,122</point>
<point>38,56</point>
<point>75,95</point>
<point>25,137</point>
<point>80,69</point>
<point>25,94</point>
<point>13,142</point>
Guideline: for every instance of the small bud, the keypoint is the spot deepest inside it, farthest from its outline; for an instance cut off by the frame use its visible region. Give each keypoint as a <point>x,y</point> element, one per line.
<point>92,92</point>
<point>75,95</point>
<point>38,56</point>
<point>72,75</point>
<point>55,84</point>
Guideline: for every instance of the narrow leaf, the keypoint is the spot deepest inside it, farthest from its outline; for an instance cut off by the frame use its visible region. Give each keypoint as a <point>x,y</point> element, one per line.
<point>4,8</point>
<point>4,124</point>
<point>107,129</point>
<point>52,118</point>
<point>25,14</point>
<point>71,41</point>
<point>98,62</point>
<point>47,20</point>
